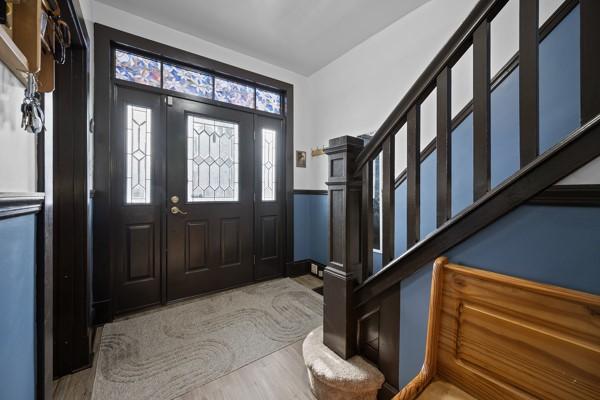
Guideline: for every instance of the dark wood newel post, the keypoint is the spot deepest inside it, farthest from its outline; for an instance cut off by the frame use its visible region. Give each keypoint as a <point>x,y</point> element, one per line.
<point>344,266</point>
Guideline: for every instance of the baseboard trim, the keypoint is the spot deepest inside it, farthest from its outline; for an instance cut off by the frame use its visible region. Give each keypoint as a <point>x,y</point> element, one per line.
<point>386,392</point>
<point>101,312</point>
<point>310,191</point>
<point>302,267</point>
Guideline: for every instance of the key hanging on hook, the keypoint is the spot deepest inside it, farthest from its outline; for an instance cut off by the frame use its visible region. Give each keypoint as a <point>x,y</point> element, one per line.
<point>33,115</point>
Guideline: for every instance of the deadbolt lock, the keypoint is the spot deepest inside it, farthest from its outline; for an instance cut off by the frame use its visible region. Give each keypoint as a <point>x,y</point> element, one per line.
<point>174,199</point>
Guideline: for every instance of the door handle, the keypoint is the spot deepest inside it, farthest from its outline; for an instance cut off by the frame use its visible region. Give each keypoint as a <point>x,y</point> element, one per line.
<point>175,210</point>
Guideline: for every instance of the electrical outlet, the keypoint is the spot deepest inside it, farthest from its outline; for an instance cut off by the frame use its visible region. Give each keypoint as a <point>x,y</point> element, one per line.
<point>314,269</point>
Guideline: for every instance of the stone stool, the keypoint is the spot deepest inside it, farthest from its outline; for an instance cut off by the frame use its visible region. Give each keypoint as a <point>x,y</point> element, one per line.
<point>333,378</point>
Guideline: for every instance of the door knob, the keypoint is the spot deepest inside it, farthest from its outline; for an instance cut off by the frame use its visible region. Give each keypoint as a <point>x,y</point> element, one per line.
<point>175,210</point>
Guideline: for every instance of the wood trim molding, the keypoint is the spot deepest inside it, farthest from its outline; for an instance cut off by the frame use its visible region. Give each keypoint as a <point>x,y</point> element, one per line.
<point>311,191</point>
<point>13,204</point>
<point>569,195</point>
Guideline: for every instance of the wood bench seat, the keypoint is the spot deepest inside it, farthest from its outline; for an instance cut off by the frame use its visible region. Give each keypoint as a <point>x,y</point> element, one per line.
<point>496,337</point>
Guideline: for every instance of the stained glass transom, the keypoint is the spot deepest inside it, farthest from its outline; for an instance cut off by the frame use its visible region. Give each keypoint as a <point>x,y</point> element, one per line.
<point>138,69</point>
<point>213,160</point>
<point>268,101</point>
<point>234,93</point>
<point>269,171</point>
<point>138,155</point>
<point>187,81</point>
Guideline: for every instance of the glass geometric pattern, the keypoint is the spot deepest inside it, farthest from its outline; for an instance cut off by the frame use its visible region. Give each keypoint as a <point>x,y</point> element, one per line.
<point>134,68</point>
<point>138,155</point>
<point>212,160</point>
<point>186,81</point>
<point>234,93</point>
<point>268,101</point>
<point>269,179</point>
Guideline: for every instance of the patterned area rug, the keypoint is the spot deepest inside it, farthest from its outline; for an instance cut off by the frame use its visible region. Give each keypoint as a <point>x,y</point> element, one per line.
<point>165,354</point>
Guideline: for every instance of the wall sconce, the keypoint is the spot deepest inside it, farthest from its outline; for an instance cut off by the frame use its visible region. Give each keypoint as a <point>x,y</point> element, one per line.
<point>317,151</point>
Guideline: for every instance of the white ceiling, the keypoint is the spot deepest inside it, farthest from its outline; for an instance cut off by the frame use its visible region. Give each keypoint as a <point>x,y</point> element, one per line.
<point>299,35</point>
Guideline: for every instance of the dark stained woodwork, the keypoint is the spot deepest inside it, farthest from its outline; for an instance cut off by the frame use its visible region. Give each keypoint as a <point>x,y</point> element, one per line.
<point>481,110</point>
<point>528,80</point>
<point>443,145</point>
<point>569,196</point>
<point>413,168</point>
<point>389,337</point>
<point>590,59</point>
<point>344,267</point>
<point>366,224</point>
<point>388,203</point>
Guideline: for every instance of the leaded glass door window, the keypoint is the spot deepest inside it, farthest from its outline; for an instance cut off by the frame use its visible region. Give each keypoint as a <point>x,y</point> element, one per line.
<point>213,160</point>
<point>138,188</point>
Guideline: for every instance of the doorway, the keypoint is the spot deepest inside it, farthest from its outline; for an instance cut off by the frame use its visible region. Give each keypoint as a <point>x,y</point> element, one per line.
<point>197,201</point>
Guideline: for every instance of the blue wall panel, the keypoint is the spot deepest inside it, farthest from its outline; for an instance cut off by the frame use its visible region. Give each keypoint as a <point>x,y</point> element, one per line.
<point>302,214</point>
<point>560,82</point>
<point>428,195</point>
<point>311,227</point>
<point>553,245</point>
<point>17,308</point>
<point>400,212</point>
<point>462,165</point>
<point>504,125</point>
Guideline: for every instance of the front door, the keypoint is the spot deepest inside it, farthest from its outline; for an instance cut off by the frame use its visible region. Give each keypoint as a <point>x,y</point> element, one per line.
<point>203,201</point>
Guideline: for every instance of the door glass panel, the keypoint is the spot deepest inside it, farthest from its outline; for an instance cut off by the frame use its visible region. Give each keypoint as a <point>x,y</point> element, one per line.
<point>269,176</point>
<point>212,160</point>
<point>138,69</point>
<point>138,155</point>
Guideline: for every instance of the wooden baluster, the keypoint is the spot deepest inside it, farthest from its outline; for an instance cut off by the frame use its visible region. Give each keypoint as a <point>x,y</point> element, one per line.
<point>481,110</point>
<point>367,220</point>
<point>388,203</point>
<point>528,80</point>
<point>590,59</point>
<point>413,176</point>
<point>444,150</point>
<point>344,267</point>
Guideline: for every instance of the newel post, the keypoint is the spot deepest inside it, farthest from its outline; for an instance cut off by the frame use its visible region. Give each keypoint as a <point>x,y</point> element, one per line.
<point>344,266</point>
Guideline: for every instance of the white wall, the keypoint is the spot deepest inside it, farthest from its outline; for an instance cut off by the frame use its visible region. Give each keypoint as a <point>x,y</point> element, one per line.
<point>121,20</point>
<point>17,147</point>
<point>589,174</point>
<point>355,93</point>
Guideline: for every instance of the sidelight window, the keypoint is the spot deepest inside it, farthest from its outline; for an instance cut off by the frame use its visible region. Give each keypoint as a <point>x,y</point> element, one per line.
<point>269,174</point>
<point>213,160</point>
<point>138,155</point>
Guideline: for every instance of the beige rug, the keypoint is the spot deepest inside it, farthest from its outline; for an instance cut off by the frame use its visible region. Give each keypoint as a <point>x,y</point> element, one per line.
<point>167,353</point>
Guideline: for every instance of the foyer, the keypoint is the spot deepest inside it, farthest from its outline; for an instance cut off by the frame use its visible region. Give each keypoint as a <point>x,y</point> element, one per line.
<point>317,200</point>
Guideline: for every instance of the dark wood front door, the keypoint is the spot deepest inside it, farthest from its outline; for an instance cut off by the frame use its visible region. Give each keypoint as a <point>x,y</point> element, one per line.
<point>210,189</point>
<point>197,203</point>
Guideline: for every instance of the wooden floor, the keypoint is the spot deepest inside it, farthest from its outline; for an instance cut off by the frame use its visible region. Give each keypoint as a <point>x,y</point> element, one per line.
<point>279,375</point>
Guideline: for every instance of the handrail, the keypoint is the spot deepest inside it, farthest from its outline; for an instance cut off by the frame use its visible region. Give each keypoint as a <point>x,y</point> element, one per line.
<point>573,152</point>
<point>458,42</point>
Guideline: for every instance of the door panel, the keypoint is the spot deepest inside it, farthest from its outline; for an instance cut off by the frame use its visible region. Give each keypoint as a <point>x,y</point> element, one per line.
<point>270,197</point>
<point>136,196</point>
<point>209,241</point>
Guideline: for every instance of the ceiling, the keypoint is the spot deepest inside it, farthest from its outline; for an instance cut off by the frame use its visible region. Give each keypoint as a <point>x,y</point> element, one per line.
<point>299,35</point>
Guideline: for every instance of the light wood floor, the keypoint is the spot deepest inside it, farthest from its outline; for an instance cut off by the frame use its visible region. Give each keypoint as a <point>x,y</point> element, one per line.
<point>279,375</point>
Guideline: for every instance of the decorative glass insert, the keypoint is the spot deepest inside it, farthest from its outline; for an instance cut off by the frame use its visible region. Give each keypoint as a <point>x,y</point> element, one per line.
<point>138,155</point>
<point>133,68</point>
<point>183,80</point>
<point>268,101</point>
<point>234,93</point>
<point>269,174</point>
<point>213,160</point>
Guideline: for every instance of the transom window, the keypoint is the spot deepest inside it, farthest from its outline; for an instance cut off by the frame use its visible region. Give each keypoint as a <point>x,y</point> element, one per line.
<point>147,71</point>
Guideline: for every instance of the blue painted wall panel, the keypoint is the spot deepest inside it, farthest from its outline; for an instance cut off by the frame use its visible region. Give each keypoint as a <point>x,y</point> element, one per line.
<point>560,82</point>
<point>553,245</point>
<point>17,308</point>
<point>302,213</point>
<point>504,125</point>
<point>400,211</point>
<point>428,195</point>
<point>462,165</point>
<point>319,228</point>
<point>377,261</point>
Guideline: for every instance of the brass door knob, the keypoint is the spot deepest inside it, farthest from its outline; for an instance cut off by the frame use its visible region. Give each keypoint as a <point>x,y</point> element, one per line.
<point>175,210</point>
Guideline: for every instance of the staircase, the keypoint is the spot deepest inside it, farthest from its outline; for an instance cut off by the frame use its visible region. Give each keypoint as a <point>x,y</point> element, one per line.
<point>361,303</point>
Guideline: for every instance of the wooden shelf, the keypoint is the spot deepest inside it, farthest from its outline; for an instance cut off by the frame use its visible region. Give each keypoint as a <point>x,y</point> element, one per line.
<point>12,56</point>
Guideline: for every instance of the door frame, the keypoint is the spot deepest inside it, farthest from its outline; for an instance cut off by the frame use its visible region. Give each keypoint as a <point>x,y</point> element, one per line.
<point>107,39</point>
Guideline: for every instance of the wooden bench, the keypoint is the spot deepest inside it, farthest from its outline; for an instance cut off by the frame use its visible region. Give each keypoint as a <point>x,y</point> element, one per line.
<point>495,337</point>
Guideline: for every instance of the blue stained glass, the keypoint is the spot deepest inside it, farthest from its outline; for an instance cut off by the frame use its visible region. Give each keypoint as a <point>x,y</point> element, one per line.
<point>268,101</point>
<point>138,69</point>
<point>183,80</point>
<point>234,93</point>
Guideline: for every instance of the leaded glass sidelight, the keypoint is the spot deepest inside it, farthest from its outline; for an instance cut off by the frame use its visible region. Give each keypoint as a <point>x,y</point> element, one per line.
<point>133,68</point>
<point>138,155</point>
<point>212,160</point>
<point>268,101</point>
<point>183,80</point>
<point>269,174</point>
<point>234,93</point>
